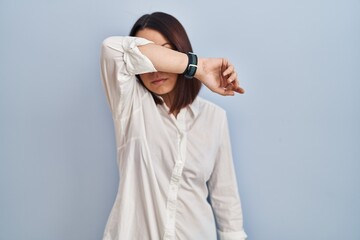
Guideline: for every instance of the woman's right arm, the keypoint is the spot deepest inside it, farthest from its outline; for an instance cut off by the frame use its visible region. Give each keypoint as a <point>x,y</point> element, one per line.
<point>120,61</point>
<point>124,57</point>
<point>217,74</point>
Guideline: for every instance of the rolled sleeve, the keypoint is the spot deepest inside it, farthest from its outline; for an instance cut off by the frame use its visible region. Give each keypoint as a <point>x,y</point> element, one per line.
<point>120,61</point>
<point>125,51</point>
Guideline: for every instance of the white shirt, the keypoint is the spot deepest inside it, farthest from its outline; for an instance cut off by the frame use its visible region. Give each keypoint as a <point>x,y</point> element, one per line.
<point>168,166</point>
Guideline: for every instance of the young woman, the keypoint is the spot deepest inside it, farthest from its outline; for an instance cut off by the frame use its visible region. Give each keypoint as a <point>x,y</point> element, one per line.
<point>177,179</point>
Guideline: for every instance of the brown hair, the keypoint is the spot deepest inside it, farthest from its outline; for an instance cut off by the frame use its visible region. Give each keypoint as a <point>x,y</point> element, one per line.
<point>185,90</point>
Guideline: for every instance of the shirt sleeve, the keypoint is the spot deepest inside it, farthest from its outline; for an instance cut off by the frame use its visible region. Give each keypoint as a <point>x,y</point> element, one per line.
<point>120,61</point>
<point>223,192</point>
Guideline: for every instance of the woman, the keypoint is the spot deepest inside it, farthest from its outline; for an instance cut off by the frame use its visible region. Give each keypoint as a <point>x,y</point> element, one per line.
<point>177,179</point>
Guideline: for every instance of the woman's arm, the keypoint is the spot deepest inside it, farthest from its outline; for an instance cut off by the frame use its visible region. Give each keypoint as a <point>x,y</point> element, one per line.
<point>165,59</point>
<point>223,192</point>
<point>218,74</point>
<point>124,57</point>
<point>120,61</point>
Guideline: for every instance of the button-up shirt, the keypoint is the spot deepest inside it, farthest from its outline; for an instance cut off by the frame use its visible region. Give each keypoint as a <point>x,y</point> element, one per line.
<point>177,179</point>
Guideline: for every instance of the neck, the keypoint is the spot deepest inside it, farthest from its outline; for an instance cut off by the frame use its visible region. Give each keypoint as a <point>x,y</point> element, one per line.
<point>168,100</point>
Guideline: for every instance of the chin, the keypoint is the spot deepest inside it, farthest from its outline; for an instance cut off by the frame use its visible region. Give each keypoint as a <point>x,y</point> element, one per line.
<point>160,91</point>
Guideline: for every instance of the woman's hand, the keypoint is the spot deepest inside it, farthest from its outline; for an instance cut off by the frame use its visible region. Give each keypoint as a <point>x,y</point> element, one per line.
<point>219,75</point>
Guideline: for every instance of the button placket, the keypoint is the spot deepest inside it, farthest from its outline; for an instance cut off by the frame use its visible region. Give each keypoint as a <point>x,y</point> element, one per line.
<point>175,178</point>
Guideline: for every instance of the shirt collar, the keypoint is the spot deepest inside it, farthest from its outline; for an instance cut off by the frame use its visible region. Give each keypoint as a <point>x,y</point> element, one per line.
<point>194,107</point>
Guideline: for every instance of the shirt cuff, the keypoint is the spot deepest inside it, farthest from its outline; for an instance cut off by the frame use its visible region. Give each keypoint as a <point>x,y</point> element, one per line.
<point>232,235</point>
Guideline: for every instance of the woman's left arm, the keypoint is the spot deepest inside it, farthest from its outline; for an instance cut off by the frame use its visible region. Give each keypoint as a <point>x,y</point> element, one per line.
<point>224,195</point>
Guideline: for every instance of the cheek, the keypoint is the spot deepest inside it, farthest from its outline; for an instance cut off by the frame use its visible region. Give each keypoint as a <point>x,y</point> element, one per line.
<point>145,77</point>
<point>174,78</point>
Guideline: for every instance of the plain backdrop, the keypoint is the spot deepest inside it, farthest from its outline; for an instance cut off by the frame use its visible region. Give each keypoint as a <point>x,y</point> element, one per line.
<point>295,133</point>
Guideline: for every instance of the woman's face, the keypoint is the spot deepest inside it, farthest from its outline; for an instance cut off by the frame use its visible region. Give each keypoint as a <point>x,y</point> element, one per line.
<point>160,83</point>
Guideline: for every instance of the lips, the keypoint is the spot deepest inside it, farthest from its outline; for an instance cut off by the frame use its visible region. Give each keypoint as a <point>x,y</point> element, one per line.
<point>158,81</point>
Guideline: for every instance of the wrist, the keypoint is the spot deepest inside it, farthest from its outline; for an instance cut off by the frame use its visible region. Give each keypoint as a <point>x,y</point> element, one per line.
<point>192,65</point>
<point>199,71</point>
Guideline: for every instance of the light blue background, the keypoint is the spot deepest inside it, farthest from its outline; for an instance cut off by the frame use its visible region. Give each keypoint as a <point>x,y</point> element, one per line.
<point>295,133</point>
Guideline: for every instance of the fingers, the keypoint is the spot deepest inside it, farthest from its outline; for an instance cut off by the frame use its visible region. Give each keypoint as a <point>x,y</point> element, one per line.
<point>229,68</point>
<point>232,82</point>
<point>225,92</point>
<point>229,71</point>
<point>232,77</point>
<point>229,90</point>
<point>223,81</point>
<point>237,88</point>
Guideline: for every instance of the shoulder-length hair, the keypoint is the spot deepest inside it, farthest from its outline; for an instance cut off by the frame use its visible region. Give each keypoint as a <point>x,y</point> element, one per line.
<point>185,90</point>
